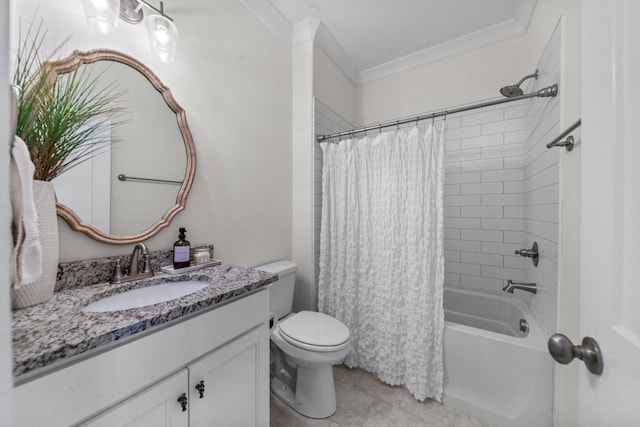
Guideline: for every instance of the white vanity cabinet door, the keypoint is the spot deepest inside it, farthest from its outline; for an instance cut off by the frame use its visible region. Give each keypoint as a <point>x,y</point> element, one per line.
<point>236,389</point>
<point>156,406</point>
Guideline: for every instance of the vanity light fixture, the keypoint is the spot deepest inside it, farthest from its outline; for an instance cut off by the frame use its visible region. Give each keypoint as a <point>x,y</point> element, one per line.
<point>102,14</point>
<point>163,33</point>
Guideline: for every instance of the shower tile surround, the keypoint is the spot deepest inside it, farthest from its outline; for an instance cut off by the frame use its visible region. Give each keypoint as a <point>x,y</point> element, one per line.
<point>57,330</point>
<point>501,192</point>
<point>483,197</point>
<point>542,186</point>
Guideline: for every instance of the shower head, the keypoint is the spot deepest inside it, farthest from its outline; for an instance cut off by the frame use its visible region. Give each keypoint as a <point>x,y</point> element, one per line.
<point>512,91</point>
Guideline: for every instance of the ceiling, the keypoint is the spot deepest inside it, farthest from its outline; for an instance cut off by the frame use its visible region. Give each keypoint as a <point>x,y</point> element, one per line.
<point>369,39</point>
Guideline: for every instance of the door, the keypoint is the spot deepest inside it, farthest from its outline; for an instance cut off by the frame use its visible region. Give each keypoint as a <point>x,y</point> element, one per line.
<point>610,211</point>
<point>229,387</point>
<point>157,406</point>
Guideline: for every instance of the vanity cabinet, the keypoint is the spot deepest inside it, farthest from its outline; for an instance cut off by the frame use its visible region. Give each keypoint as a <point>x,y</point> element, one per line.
<point>138,383</point>
<point>222,388</point>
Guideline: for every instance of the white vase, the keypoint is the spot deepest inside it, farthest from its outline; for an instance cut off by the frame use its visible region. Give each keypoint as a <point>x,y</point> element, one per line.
<point>42,289</point>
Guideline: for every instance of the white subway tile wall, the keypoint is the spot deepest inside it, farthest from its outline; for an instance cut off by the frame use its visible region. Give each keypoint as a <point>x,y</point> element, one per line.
<point>542,188</point>
<point>327,121</point>
<point>484,197</point>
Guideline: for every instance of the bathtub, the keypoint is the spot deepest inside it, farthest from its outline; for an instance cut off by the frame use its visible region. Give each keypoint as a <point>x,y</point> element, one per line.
<point>492,369</point>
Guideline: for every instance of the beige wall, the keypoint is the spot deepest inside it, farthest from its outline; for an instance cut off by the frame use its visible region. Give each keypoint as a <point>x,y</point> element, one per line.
<point>232,75</point>
<point>332,87</point>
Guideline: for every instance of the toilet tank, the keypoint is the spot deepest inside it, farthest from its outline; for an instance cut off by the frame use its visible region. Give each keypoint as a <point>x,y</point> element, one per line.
<point>281,291</point>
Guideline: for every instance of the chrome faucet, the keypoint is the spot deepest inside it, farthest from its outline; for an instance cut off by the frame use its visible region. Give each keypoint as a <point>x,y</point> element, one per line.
<point>511,285</point>
<point>133,264</point>
<point>134,271</point>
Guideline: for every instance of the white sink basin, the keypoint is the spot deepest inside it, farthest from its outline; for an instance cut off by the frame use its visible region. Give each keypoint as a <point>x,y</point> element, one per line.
<point>142,297</point>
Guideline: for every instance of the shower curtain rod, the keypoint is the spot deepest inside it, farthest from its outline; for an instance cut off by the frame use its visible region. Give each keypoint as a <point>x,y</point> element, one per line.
<point>549,91</point>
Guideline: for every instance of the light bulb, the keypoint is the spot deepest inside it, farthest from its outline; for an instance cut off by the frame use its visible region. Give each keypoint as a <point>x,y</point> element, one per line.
<point>162,34</point>
<point>101,5</point>
<point>102,14</point>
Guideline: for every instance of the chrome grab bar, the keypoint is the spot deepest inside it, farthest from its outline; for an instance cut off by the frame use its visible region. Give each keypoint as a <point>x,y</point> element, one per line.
<point>567,143</point>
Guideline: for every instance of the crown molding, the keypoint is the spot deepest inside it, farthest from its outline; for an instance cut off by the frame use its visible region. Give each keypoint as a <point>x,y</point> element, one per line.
<point>453,47</point>
<point>313,29</point>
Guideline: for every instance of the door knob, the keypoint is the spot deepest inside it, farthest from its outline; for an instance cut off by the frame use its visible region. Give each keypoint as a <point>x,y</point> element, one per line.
<point>563,351</point>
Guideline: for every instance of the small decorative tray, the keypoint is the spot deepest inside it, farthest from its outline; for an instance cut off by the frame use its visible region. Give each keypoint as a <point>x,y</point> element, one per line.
<point>170,270</point>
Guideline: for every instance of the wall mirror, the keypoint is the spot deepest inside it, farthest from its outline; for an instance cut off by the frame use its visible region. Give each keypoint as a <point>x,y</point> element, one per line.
<point>135,186</point>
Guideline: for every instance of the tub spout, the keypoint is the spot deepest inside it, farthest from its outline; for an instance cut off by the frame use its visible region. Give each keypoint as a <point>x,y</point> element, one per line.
<point>511,285</point>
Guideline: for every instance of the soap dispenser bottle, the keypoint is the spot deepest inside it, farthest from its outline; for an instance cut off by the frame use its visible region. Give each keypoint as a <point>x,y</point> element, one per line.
<point>181,251</point>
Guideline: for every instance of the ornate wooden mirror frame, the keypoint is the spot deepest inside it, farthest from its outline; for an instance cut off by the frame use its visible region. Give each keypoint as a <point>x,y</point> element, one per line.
<point>75,60</point>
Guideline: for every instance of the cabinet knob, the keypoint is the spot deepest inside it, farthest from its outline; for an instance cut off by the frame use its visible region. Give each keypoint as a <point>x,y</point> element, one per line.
<point>182,400</point>
<point>200,388</point>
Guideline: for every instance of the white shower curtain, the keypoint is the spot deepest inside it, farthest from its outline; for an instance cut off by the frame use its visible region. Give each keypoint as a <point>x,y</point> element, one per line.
<point>381,253</point>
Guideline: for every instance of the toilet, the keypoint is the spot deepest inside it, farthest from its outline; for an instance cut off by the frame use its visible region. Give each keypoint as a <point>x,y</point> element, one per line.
<point>304,348</point>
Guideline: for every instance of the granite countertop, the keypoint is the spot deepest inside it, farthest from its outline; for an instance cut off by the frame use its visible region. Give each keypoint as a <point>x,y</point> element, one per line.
<point>48,333</point>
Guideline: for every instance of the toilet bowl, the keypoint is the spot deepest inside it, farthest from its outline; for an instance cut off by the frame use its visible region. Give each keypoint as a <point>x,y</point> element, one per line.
<point>304,348</point>
<point>308,361</point>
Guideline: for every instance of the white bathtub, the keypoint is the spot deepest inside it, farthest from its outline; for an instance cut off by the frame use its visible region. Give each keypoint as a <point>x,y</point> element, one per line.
<point>491,369</point>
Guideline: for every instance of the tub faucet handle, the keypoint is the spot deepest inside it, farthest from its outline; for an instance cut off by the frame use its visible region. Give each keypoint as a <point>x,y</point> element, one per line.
<point>530,253</point>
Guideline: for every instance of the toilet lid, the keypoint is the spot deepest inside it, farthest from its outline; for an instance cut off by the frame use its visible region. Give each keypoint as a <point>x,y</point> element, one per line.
<point>314,329</point>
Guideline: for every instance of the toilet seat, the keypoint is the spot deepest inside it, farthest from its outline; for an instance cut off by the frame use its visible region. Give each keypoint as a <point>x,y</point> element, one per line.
<point>314,331</point>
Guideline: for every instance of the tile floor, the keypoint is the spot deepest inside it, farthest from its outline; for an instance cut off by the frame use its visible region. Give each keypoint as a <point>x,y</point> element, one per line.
<point>363,400</point>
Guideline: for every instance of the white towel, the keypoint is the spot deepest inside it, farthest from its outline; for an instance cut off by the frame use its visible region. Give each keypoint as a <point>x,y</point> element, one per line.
<point>27,251</point>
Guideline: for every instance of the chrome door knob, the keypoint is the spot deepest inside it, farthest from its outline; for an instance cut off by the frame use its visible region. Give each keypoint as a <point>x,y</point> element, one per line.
<point>563,351</point>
